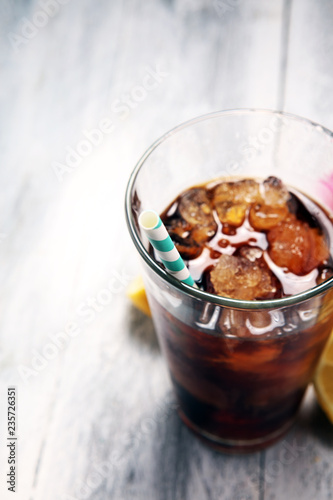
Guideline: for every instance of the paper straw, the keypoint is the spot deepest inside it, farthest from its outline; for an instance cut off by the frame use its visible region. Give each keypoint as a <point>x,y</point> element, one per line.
<point>156,232</point>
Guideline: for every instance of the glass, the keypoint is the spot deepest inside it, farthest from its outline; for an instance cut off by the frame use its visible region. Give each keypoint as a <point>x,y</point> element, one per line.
<point>239,368</point>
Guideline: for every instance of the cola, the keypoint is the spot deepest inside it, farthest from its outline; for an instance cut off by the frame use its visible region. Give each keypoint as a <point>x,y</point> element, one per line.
<point>251,240</point>
<point>240,371</point>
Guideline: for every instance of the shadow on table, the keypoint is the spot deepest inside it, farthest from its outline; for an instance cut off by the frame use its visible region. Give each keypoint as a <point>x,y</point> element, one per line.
<point>141,328</point>
<point>187,468</point>
<point>312,420</point>
<point>167,462</point>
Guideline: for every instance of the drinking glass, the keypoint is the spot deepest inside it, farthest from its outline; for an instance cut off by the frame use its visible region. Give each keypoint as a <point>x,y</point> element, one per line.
<point>239,368</point>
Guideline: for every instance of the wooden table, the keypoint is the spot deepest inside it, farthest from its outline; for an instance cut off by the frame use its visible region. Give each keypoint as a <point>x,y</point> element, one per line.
<point>85,88</point>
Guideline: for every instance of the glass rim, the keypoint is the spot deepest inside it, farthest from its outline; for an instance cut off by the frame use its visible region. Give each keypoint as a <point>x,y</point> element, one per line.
<point>187,289</point>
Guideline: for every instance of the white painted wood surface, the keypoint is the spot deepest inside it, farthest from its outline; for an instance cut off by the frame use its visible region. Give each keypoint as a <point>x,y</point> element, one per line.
<point>98,420</point>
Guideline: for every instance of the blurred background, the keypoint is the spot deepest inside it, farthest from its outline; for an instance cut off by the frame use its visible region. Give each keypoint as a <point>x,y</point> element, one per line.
<point>85,88</point>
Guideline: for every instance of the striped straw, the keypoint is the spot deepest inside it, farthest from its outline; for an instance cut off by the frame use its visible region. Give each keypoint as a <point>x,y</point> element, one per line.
<point>156,232</point>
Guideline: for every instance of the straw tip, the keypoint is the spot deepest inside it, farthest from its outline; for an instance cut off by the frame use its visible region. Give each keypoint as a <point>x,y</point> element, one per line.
<point>148,219</point>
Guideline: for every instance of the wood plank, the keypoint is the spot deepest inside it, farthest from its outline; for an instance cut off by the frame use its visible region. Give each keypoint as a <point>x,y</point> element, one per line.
<point>136,477</point>
<point>301,466</point>
<point>99,420</point>
<point>309,73</point>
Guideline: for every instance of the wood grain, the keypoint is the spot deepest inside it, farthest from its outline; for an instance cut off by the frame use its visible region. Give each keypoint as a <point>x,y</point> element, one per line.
<point>98,420</point>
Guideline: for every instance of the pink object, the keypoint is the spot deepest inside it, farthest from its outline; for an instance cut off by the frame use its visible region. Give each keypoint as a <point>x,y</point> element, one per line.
<point>327,190</point>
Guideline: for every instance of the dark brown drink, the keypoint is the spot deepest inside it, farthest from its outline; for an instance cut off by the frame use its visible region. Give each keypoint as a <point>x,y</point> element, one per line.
<point>240,375</point>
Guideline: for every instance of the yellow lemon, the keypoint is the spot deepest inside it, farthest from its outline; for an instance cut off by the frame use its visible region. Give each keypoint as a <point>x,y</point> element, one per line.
<point>323,380</point>
<point>136,292</point>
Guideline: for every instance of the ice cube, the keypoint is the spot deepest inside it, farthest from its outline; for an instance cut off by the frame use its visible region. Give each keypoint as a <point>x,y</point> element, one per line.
<point>180,233</point>
<point>244,191</point>
<point>231,213</point>
<point>274,192</point>
<point>239,278</point>
<point>195,208</point>
<point>264,217</point>
<point>296,246</point>
<point>272,208</point>
<point>231,200</point>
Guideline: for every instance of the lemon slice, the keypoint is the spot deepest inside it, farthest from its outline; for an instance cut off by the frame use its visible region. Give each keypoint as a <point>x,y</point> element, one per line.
<point>323,379</point>
<point>136,292</point>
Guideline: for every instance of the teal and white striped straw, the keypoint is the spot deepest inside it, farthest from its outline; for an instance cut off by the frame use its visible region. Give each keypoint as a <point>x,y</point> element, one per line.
<point>156,232</point>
